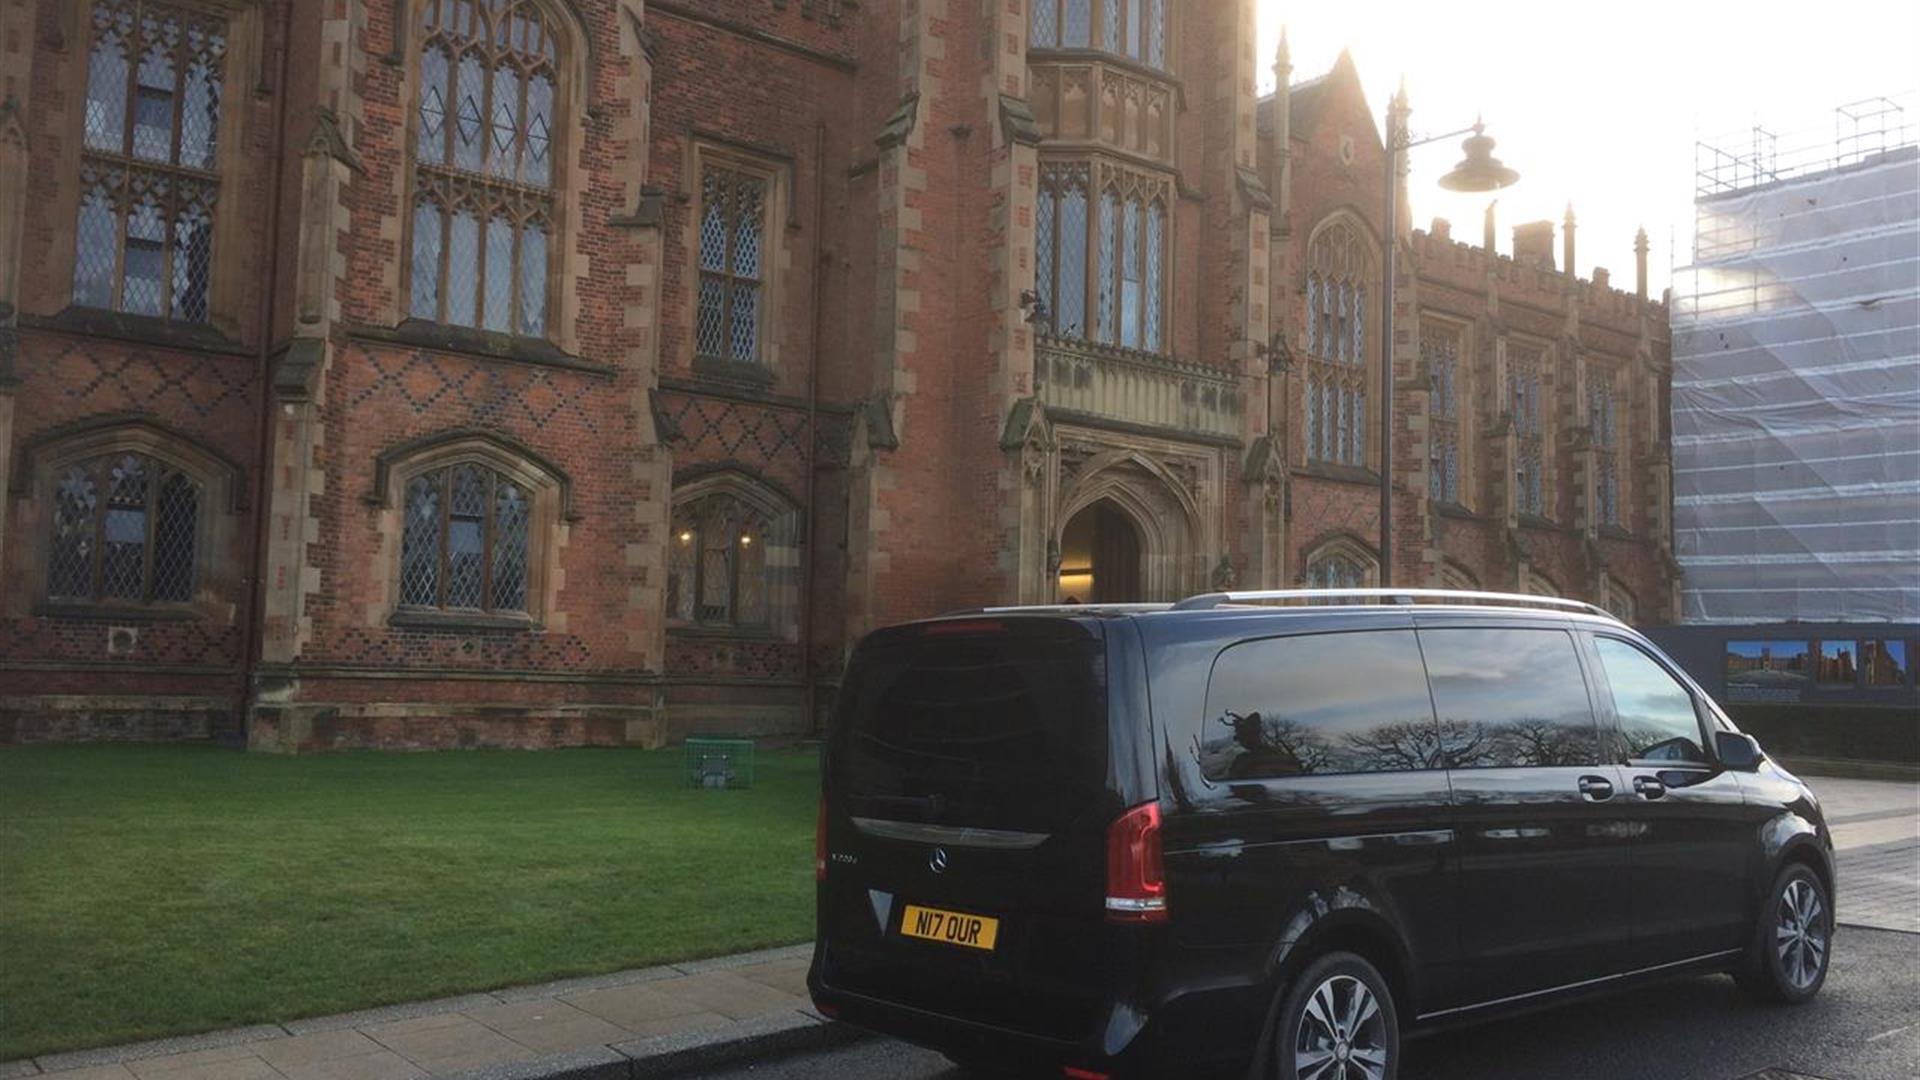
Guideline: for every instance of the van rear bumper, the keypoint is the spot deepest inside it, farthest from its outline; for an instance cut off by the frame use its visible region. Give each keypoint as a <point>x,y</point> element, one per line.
<point>971,1040</point>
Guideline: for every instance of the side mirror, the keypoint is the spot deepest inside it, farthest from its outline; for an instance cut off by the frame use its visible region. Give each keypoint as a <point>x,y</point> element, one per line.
<point>1737,750</point>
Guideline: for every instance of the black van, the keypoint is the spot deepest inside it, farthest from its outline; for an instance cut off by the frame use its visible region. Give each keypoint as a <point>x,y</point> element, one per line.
<point>1274,831</point>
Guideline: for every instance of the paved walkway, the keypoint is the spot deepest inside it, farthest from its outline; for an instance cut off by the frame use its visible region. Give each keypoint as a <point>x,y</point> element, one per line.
<point>654,1021</point>
<point>603,1025</point>
<point>1876,839</point>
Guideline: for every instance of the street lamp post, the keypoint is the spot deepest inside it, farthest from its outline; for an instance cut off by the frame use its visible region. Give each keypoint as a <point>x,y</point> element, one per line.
<point>1478,171</point>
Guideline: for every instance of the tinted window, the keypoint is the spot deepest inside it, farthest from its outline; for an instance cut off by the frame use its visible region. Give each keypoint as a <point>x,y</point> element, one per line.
<point>1329,703</point>
<point>995,727</point>
<point>1510,698</point>
<point>1655,713</point>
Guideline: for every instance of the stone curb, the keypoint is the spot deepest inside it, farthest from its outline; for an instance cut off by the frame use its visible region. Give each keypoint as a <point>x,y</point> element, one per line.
<point>756,1040</point>
<point>181,1044</point>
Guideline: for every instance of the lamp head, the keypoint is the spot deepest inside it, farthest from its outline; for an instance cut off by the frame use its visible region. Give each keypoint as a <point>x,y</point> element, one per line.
<point>1479,170</point>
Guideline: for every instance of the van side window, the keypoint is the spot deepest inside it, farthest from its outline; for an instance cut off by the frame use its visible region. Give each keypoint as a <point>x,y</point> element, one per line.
<point>1510,698</point>
<point>1654,712</point>
<point>1317,705</point>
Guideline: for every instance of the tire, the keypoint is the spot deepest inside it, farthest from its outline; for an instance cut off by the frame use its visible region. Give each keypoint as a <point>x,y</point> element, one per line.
<point>1792,939</point>
<point>1326,1032</point>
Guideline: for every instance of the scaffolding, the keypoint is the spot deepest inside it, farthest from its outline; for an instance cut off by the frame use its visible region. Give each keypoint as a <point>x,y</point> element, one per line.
<point>1796,382</point>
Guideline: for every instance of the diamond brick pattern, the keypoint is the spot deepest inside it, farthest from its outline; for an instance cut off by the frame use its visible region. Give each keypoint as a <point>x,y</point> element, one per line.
<point>202,384</point>
<point>494,395</point>
<point>758,436</point>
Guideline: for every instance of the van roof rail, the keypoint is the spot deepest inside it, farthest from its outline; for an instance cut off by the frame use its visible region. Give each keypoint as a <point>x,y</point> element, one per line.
<point>1205,601</point>
<point>1015,609</point>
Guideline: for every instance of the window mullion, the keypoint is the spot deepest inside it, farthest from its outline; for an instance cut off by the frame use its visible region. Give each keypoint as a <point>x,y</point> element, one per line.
<point>486,542</point>
<point>123,208</point>
<point>728,223</point>
<point>443,484</point>
<point>128,114</point>
<point>97,473</point>
<point>445,259</point>
<point>152,513</point>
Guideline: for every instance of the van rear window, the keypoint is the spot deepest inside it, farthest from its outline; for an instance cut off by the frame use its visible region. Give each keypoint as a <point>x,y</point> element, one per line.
<point>999,726</point>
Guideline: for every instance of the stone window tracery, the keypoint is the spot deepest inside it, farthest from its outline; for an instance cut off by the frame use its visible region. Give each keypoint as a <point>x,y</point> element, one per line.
<point>1340,564</point>
<point>1127,288</point>
<point>1602,407</point>
<point>1440,354</point>
<point>148,185</point>
<point>465,542</point>
<point>1339,276</point>
<point>126,528</point>
<point>1527,409</point>
<point>484,217</point>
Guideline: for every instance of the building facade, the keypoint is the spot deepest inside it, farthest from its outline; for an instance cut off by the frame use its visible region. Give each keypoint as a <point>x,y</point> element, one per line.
<point>417,373</point>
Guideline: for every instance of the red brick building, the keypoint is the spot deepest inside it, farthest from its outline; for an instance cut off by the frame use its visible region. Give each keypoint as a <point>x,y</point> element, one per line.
<point>521,372</point>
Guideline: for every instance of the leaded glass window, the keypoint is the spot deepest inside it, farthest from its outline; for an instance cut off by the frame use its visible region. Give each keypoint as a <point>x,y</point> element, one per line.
<point>483,212</point>
<point>1440,354</point>
<point>1602,405</point>
<point>1338,271</point>
<point>1131,28</point>
<point>1337,570</point>
<point>148,190</point>
<point>725,558</point>
<point>126,528</point>
<point>1060,248</point>
<point>733,229</point>
<point>1061,24</point>
<point>1525,389</point>
<point>465,542</point>
<point>1132,254</point>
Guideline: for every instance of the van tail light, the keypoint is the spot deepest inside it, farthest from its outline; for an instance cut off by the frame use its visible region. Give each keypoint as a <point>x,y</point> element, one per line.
<point>1136,885</point>
<point>1073,1073</point>
<point>820,843</point>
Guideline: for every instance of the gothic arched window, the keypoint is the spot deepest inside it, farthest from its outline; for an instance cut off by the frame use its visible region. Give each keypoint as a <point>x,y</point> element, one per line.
<point>1118,295</point>
<point>126,527</point>
<point>1529,412</point>
<point>465,542</point>
<point>1339,565</point>
<point>1603,404</point>
<point>1060,247</point>
<point>732,557</point>
<point>484,219</point>
<point>1440,353</point>
<point>143,243</point>
<point>1338,288</point>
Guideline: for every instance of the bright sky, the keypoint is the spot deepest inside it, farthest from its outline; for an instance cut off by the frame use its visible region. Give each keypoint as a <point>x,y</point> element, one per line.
<point>1600,104</point>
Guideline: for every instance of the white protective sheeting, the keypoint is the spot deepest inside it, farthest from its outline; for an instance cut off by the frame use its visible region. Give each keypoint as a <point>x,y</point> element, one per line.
<point>1796,399</point>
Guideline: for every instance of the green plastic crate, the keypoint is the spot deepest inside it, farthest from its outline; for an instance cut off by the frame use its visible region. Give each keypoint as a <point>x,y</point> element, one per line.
<point>721,764</point>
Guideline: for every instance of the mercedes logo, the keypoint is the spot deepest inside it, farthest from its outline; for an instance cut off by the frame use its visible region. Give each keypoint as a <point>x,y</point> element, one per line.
<point>937,862</point>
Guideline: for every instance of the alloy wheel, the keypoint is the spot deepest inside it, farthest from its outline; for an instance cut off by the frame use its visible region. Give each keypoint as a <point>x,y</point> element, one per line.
<point>1342,1034</point>
<point>1800,933</point>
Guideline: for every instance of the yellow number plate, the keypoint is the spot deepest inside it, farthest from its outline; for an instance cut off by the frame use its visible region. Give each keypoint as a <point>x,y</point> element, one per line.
<point>949,927</point>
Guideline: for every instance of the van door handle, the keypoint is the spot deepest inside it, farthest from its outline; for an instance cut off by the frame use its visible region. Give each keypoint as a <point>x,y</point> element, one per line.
<point>1648,787</point>
<point>1596,788</point>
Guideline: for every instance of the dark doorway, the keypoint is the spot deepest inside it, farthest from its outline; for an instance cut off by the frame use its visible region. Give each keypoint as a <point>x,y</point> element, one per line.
<point>1100,558</point>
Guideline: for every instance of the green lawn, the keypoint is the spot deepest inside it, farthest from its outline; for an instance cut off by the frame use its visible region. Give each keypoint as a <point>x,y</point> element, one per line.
<point>148,891</point>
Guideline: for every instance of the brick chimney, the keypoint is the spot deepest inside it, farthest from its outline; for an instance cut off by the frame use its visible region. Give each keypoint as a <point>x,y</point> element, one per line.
<point>1533,244</point>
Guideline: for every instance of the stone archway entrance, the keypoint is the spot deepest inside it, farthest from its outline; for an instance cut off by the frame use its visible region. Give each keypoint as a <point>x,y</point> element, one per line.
<point>1100,558</point>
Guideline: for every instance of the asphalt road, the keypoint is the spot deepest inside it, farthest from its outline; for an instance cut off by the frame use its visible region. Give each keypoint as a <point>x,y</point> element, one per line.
<point>1864,1024</point>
